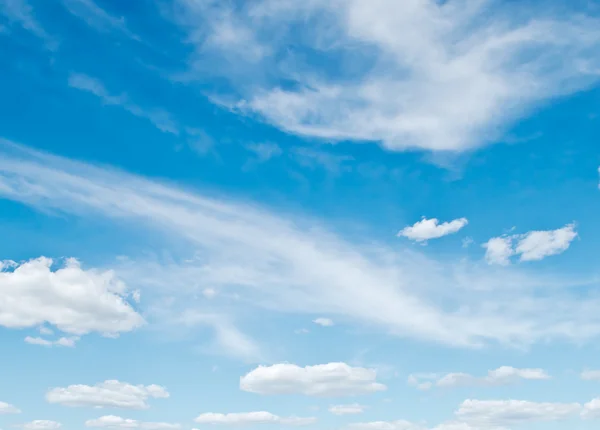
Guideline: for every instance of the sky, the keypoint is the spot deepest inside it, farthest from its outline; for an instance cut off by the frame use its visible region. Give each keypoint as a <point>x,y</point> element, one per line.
<point>318,214</point>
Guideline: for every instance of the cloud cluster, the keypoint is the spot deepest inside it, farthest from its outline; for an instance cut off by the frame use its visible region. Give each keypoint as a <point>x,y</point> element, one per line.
<point>445,76</point>
<point>500,376</point>
<point>107,394</point>
<point>332,379</point>
<point>74,300</point>
<point>531,246</point>
<point>252,418</point>
<point>294,264</point>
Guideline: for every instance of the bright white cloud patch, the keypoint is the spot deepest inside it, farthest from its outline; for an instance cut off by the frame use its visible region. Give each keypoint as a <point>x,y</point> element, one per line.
<point>333,379</point>
<point>591,409</point>
<point>251,418</point>
<point>352,409</point>
<point>501,376</point>
<point>108,394</point>
<point>427,229</point>
<point>537,245</point>
<point>531,246</point>
<point>72,299</point>
<point>116,422</point>
<point>7,408</point>
<point>426,74</point>
<point>510,413</point>
<point>324,322</point>
<point>41,425</point>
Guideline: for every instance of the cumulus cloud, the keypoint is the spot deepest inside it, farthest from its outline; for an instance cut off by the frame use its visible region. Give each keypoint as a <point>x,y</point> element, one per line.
<point>327,380</point>
<point>116,422</point>
<point>324,322</point>
<point>41,425</point>
<point>252,418</point>
<point>591,409</point>
<point>352,409</point>
<point>500,376</point>
<point>63,341</point>
<point>7,408</point>
<point>508,413</point>
<point>107,394</point>
<point>531,246</point>
<point>295,264</point>
<point>425,74</point>
<point>427,229</point>
<point>74,300</point>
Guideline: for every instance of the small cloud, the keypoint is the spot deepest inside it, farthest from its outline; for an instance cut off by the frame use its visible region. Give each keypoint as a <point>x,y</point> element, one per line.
<point>427,229</point>
<point>323,322</point>
<point>301,331</point>
<point>264,151</point>
<point>532,246</point>
<point>352,409</point>
<point>467,241</point>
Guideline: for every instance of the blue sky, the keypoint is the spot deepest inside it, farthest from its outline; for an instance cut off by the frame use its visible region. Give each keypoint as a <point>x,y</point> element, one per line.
<point>322,214</point>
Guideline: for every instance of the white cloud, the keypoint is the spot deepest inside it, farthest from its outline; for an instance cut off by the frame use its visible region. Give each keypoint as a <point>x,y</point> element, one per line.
<point>41,425</point>
<point>498,250</point>
<point>352,409</point>
<point>502,413</point>
<point>324,322</point>
<point>251,418</point>
<point>327,380</point>
<point>46,331</point>
<point>427,229</point>
<point>591,409</point>
<point>500,376</point>
<point>537,245</point>
<point>386,425</point>
<point>107,394</point>
<point>72,299</point>
<point>531,246</point>
<point>590,375</point>
<point>159,118</point>
<point>425,74</point>
<point>63,341</point>
<point>7,408</point>
<point>294,264</point>
<point>115,422</point>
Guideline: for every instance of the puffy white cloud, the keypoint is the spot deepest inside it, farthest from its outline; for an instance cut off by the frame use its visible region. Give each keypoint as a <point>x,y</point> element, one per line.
<point>387,425</point>
<point>352,409</point>
<point>247,418</point>
<point>498,250</point>
<point>537,245</point>
<point>107,394</point>
<point>63,341</point>
<point>501,376</point>
<point>427,229</point>
<point>332,379</point>
<point>113,421</point>
<point>531,246</point>
<point>324,322</point>
<point>41,425</point>
<point>501,413</point>
<point>209,293</point>
<point>74,300</point>
<point>7,408</point>
<point>307,270</point>
<point>426,74</point>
